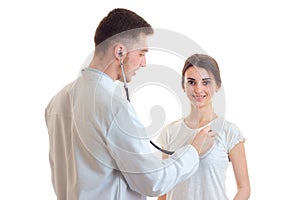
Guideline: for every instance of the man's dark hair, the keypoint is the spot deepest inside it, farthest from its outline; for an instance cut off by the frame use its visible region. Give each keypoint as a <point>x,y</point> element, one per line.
<point>118,21</point>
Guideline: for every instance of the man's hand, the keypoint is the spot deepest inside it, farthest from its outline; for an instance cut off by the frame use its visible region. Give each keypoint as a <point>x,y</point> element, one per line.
<point>204,140</point>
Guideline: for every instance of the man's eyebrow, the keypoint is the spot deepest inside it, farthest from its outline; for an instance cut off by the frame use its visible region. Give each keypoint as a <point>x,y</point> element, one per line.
<point>145,50</point>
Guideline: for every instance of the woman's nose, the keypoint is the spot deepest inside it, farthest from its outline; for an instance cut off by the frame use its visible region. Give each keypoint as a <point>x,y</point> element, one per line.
<point>199,87</point>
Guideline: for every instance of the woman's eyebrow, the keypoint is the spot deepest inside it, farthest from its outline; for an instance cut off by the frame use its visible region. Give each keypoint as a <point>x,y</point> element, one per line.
<point>190,78</point>
<point>204,79</point>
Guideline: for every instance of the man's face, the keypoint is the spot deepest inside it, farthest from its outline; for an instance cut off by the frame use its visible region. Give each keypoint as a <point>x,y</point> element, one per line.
<point>135,58</point>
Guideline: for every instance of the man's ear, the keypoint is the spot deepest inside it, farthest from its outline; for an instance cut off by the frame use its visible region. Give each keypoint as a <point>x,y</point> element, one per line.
<point>120,51</point>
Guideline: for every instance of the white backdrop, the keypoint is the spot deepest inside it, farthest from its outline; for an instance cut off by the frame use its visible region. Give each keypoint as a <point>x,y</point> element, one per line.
<point>256,43</point>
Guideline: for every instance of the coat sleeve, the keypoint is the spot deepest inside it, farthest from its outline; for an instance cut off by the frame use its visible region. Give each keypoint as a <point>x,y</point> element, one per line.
<point>145,172</point>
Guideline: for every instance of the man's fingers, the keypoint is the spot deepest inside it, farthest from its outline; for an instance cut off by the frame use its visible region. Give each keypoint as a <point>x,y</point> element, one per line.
<point>212,133</point>
<point>206,129</point>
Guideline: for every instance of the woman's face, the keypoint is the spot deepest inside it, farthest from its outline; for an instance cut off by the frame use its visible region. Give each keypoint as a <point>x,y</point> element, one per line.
<point>199,86</point>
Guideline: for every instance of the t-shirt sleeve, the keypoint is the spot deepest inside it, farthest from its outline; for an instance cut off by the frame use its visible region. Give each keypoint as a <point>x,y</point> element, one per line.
<point>234,137</point>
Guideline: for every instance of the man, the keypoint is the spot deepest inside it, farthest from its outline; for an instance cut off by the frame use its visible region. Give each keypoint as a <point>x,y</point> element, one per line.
<point>98,148</point>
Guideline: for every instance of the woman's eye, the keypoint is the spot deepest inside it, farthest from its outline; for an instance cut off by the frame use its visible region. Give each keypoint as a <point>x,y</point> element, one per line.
<point>205,82</point>
<point>191,82</point>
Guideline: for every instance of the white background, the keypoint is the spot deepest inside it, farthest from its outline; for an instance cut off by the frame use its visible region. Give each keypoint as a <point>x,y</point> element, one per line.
<point>256,43</point>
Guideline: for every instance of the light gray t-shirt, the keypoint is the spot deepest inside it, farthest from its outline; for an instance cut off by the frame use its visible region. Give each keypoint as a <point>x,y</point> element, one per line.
<point>208,183</point>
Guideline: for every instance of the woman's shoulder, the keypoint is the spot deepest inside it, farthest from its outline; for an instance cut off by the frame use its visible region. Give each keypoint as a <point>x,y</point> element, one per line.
<point>173,125</point>
<point>177,122</point>
<point>168,131</point>
<point>225,124</point>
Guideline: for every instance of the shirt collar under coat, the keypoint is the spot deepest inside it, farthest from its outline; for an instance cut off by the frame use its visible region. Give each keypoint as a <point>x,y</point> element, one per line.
<point>106,81</point>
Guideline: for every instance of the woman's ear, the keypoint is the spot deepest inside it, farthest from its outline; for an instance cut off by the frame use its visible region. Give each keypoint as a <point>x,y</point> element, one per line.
<point>218,88</point>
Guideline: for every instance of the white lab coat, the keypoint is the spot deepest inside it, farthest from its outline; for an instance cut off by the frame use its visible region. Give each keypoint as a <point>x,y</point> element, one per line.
<point>99,150</point>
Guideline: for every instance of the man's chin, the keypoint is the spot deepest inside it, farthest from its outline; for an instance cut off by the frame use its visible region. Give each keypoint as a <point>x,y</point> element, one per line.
<point>128,80</point>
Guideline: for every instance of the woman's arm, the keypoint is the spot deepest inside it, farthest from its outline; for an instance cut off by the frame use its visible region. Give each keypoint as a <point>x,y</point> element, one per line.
<point>239,163</point>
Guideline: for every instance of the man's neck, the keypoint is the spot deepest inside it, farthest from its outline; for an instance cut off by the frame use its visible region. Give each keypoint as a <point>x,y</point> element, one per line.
<point>107,66</point>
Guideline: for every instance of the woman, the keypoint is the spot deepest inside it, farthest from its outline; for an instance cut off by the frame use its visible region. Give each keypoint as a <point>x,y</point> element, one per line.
<point>200,80</point>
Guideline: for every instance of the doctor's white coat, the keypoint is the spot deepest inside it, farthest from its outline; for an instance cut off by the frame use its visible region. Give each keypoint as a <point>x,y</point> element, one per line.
<point>99,150</point>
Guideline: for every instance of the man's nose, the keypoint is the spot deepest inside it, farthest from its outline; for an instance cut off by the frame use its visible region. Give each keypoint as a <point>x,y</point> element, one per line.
<point>143,63</point>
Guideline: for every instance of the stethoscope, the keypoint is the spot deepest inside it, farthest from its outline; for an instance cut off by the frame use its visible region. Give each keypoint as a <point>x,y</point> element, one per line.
<point>127,95</point>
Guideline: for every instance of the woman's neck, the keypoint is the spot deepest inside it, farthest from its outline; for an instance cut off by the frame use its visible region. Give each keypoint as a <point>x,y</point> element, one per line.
<point>200,117</point>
